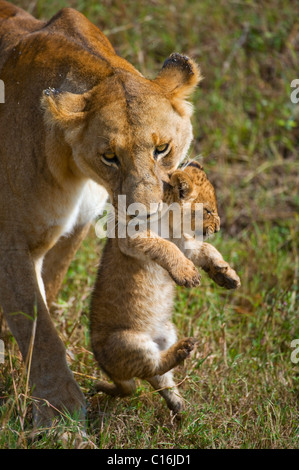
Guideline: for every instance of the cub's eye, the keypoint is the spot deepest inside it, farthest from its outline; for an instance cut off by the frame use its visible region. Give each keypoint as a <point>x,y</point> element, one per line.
<point>208,211</point>
<point>160,150</point>
<point>110,159</point>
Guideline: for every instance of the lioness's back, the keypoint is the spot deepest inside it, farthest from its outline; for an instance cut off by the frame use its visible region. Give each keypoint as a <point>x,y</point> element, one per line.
<point>11,14</point>
<point>66,36</point>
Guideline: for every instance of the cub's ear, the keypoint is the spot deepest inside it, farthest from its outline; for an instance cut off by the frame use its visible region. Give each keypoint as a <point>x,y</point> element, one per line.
<point>195,164</point>
<point>63,108</point>
<point>179,76</point>
<point>182,184</point>
<point>191,163</point>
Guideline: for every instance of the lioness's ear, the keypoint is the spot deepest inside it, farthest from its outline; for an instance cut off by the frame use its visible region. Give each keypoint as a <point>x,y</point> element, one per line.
<point>63,108</point>
<point>181,184</point>
<point>179,76</point>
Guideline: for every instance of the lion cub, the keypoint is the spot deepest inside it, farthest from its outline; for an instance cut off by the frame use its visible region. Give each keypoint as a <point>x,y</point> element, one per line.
<point>132,334</point>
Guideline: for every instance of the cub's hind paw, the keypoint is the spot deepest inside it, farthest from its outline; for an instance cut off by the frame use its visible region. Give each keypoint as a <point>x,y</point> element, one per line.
<point>184,348</point>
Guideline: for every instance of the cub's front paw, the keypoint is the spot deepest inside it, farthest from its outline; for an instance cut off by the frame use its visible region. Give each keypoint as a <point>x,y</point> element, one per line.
<point>225,276</point>
<point>186,274</point>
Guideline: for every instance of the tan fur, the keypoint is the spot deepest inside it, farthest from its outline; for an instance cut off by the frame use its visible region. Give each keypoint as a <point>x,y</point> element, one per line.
<point>70,100</point>
<point>131,330</point>
<point>196,188</point>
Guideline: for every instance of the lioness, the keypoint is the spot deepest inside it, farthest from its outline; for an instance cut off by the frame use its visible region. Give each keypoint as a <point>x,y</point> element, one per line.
<point>132,333</point>
<point>79,123</point>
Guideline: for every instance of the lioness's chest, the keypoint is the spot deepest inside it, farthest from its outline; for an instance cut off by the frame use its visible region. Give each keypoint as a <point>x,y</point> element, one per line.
<point>65,212</point>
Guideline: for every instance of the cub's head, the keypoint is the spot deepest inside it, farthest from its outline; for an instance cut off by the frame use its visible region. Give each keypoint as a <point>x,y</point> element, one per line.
<point>191,185</point>
<point>127,133</point>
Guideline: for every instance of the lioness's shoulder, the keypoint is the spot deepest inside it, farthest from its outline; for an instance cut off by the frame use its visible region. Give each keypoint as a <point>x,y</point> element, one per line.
<point>75,25</point>
<point>14,20</point>
<point>67,26</point>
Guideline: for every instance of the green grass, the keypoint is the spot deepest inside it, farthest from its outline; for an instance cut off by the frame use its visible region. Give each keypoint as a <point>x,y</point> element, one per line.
<point>240,385</point>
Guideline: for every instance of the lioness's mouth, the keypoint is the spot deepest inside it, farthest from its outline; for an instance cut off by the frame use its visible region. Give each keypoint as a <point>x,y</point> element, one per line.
<point>143,215</point>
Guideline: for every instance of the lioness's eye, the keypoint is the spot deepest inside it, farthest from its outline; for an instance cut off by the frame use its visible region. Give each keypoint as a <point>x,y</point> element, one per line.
<point>110,159</point>
<point>160,150</point>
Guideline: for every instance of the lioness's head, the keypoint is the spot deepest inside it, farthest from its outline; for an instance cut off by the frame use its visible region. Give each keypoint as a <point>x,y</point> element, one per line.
<point>128,133</point>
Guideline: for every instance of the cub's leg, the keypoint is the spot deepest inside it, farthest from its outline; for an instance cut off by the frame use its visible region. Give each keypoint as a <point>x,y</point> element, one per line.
<point>58,259</point>
<point>164,253</point>
<point>21,301</point>
<point>128,354</point>
<point>117,389</point>
<point>165,385</point>
<point>210,260</point>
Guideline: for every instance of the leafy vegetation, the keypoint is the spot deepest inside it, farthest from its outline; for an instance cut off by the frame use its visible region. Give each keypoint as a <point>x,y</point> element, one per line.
<point>240,386</point>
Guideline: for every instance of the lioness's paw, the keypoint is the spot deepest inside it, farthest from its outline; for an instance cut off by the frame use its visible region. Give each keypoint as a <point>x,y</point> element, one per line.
<point>186,275</point>
<point>64,399</point>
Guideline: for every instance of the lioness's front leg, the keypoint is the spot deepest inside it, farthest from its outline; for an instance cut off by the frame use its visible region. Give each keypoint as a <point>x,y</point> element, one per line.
<point>21,300</point>
<point>58,259</point>
<point>164,253</point>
